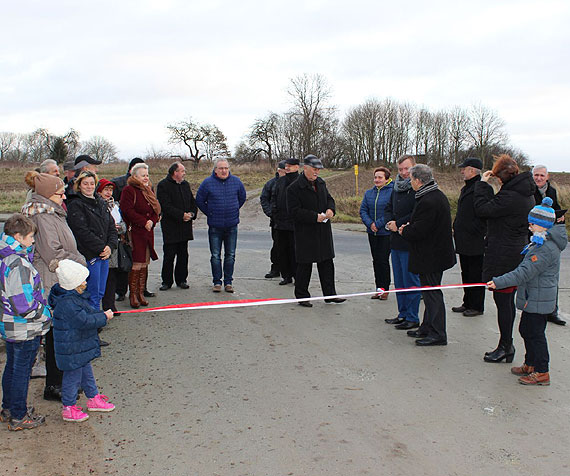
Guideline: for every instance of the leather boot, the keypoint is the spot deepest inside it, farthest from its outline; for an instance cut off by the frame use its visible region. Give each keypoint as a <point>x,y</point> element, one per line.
<point>501,353</point>
<point>142,283</point>
<point>134,278</point>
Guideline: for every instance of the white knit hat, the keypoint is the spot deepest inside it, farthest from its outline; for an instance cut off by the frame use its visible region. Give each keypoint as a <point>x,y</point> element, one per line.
<point>70,274</point>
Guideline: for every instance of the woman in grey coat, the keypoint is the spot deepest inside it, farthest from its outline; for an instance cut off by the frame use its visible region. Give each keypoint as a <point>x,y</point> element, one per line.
<point>53,240</point>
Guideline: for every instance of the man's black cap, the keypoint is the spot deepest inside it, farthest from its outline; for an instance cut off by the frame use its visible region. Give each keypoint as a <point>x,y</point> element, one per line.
<point>472,162</point>
<point>88,159</point>
<point>313,161</point>
<point>292,161</point>
<point>281,164</point>
<point>135,161</point>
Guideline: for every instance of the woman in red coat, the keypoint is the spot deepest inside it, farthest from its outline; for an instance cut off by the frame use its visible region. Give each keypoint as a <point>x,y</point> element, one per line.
<point>141,212</point>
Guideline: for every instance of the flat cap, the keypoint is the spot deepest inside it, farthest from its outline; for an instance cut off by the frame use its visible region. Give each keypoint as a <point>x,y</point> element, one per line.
<point>292,161</point>
<point>472,162</point>
<point>313,161</point>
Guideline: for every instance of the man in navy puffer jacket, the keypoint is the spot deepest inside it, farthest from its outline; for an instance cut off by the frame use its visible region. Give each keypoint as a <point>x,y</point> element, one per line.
<point>220,197</point>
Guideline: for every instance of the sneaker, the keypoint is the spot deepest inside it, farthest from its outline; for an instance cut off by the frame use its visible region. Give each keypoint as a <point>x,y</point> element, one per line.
<point>536,378</point>
<point>100,403</point>
<point>217,288</point>
<point>73,413</point>
<point>523,370</point>
<point>29,422</point>
<point>229,288</point>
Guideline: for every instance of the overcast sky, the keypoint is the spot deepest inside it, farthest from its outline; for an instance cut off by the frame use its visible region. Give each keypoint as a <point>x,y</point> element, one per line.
<point>125,69</point>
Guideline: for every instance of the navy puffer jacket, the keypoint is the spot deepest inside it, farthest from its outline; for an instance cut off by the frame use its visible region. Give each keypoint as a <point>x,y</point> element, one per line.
<point>220,200</point>
<point>373,206</point>
<point>75,325</point>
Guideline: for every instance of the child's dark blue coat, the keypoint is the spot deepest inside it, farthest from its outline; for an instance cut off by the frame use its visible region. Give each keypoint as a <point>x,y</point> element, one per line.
<point>75,325</point>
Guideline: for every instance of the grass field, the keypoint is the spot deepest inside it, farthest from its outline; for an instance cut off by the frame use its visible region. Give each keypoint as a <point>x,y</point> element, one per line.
<point>341,184</point>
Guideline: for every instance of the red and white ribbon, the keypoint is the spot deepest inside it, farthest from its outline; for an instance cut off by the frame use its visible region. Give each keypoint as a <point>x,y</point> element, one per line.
<point>272,301</point>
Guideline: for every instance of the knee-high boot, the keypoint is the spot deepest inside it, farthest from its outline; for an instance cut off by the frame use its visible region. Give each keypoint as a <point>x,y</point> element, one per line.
<point>142,283</point>
<point>134,280</point>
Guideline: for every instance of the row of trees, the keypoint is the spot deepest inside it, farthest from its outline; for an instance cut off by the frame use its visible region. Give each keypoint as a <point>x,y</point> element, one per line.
<point>41,144</point>
<point>377,131</point>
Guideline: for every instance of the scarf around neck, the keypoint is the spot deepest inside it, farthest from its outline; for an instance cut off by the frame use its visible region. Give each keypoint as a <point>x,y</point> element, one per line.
<point>402,185</point>
<point>147,193</point>
<point>428,187</point>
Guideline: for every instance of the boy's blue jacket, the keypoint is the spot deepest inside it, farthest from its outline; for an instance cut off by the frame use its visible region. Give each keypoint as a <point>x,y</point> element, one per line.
<point>75,325</point>
<point>373,206</point>
<point>220,200</point>
<point>537,275</point>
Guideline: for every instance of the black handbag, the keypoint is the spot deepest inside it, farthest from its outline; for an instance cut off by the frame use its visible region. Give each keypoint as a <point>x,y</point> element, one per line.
<point>125,257</point>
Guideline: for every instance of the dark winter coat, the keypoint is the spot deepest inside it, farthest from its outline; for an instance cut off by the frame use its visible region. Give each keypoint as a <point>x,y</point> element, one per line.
<point>538,274</point>
<point>429,235</point>
<point>469,229</point>
<point>91,224</point>
<point>136,212</point>
<point>220,200</point>
<point>507,222</point>
<point>282,219</point>
<point>373,206</point>
<point>266,197</point>
<point>175,200</point>
<point>313,240</point>
<point>75,325</point>
<point>399,208</point>
<point>550,192</point>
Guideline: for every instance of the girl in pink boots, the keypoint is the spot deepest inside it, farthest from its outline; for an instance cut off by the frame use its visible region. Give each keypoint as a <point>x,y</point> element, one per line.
<point>76,343</point>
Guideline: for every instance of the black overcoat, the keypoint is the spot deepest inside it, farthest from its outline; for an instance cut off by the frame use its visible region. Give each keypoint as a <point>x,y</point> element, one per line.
<point>429,235</point>
<point>507,222</point>
<point>313,240</point>
<point>282,219</point>
<point>399,208</point>
<point>92,225</point>
<point>175,199</point>
<point>550,192</point>
<point>469,229</point>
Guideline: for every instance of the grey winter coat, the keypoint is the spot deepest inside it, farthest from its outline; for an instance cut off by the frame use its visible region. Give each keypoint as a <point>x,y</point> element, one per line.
<point>537,275</point>
<point>54,239</point>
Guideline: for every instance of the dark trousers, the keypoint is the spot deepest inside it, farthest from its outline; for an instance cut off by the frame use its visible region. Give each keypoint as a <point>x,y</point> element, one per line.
<point>303,278</point>
<point>274,253</point>
<point>506,310</point>
<point>433,324</point>
<point>472,272</point>
<point>380,249</point>
<point>286,252</point>
<point>180,252</point>
<point>108,301</point>
<point>122,284</point>
<point>54,375</point>
<point>532,328</point>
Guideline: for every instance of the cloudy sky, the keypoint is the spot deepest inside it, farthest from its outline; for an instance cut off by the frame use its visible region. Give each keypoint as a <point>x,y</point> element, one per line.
<point>125,69</point>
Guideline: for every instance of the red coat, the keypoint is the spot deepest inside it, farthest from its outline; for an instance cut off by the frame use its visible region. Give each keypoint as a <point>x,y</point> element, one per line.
<point>137,211</point>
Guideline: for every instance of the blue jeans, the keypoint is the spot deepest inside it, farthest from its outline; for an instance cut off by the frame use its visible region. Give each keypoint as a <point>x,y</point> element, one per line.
<point>97,281</point>
<point>75,379</point>
<point>227,236</point>
<point>20,357</point>
<point>408,303</point>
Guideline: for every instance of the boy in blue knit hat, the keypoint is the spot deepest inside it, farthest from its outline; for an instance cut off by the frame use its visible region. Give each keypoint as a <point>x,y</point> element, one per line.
<point>537,281</point>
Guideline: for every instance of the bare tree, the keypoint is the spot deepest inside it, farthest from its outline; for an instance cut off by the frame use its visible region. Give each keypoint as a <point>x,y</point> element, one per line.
<point>486,130</point>
<point>458,133</point>
<point>202,140</point>
<point>262,135</point>
<point>7,140</point>
<point>101,149</point>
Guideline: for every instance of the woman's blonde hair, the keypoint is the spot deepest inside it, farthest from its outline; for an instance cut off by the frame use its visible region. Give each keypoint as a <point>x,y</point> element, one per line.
<point>83,175</point>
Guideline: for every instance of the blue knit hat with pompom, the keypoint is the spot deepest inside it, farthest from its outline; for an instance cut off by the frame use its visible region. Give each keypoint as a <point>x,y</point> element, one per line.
<point>543,214</point>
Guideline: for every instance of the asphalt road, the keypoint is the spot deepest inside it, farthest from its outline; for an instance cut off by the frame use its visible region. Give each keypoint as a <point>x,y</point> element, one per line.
<point>332,390</point>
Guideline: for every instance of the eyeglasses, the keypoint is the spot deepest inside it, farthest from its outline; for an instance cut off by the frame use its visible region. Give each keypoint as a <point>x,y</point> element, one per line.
<point>60,194</point>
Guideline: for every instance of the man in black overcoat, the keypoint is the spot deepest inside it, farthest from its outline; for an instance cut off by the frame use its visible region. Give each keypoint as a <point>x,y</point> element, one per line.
<point>284,224</point>
<point>545,189</point>
<point>431,251</point>
<point>178,211</point>
<point>469,234</point>
<point>312,208</point>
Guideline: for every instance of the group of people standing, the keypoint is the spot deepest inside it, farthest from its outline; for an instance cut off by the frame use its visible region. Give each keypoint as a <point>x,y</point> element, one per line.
<point>409,219</point>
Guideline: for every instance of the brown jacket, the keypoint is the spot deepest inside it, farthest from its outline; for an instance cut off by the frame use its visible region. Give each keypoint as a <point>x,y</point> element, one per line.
<point>54,239</point>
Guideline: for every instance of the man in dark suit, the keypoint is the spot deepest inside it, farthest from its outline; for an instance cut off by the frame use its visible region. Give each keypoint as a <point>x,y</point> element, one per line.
<point>469,234</point>
<point>431,251</point>
<point>178,211</point>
